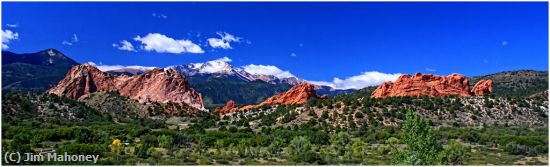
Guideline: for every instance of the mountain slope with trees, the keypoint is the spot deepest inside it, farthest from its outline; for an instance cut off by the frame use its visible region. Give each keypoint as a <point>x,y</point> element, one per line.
<point>520,83</point>
<point>34,71</point>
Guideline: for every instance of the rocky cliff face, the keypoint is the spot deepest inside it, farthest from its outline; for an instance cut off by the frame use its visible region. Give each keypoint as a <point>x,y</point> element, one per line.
<point>430,85</point>
<point>298,94</point>
<point>157,85</point>
<point>82,80</point>
<point>483,87</point>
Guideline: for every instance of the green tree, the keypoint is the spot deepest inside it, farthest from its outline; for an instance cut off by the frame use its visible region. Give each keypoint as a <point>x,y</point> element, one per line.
<point>340,141</point>
<point>358,148</point>
<point>147,141</point>
<point>299,145</point>
<point>275,146</point>
<point>165,141</point>
<point>454,154</point>
<point>300,150</point>
<point>419,137</point>
<point>83,135</point>
<point>324,116</point>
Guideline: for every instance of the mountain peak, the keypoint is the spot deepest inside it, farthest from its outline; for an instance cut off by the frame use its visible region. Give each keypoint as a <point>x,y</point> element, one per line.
<point>218,66</point>
<point>222,67</point>
<point>51,52</point>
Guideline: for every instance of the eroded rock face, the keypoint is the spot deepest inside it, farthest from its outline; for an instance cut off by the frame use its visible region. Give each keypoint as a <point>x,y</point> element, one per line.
<point>483,87</point>
<point>157,85</point>
<point>228,108</point>
<point>82,80</point>
<point>298,94</point>
<point>424,84</point>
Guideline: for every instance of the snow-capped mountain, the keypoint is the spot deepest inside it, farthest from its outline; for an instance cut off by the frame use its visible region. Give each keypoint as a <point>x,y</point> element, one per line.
<point>221,67</point>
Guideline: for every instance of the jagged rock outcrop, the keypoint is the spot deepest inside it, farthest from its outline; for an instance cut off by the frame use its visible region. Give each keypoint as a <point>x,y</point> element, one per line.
<point>228,108</point>
<point>298,94</point>
<point>82,80</point>
<point>158,85</point>
<point>424,84</point>
<point>483,87</point>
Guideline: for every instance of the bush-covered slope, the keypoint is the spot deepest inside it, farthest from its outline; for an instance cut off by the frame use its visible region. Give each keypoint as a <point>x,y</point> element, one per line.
<point>516,83</point>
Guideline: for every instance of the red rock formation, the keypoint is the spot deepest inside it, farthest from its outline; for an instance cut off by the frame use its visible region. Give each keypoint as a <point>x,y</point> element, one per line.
<point>228,108</point>
<point>82,80</point>
<point>483,87</point>
<point>157,85</point>
<point>298,94</point>
<point>424,84</point>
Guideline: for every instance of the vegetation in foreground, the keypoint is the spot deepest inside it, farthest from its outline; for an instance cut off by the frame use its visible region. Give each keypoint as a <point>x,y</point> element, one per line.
<point>205,140</point>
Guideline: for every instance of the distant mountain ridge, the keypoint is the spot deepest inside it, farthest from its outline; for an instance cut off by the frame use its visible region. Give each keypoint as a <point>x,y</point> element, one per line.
<point>34,71</point>
<point>220,82</point>
<point>221,67</point>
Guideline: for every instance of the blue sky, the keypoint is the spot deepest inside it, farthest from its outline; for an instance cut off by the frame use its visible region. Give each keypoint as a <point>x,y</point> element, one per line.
<point>314,41</point>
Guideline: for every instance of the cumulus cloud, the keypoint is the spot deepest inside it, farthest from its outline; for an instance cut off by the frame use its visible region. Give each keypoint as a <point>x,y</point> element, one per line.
<point>125,45</point>
<point>7,37</point>
<point>73,40</point>
<point>224,41</point>
<point>159,15</point>
<point>293,54</point>
<point>164,44</point>
<point>365,79</point>
<point>104,68</point>
<point>267,70</point>
<point>12,25</point>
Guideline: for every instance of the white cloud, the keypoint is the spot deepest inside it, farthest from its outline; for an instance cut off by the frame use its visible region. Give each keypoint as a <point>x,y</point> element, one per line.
<point>224,59</point>
<point>125,45</point>
<point>163,44</point>
<point>66,43</point>
<point>430,69</point>
<point>104,68</point>
<point>504,43</point>
<point>7,37</point>
<point>267,70</point>
<point>159,15</point>
<point>73,40</point>
<point>365,79</point>
<point>12,25</point>
<point>293,54</point>
<point>224,40</point>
